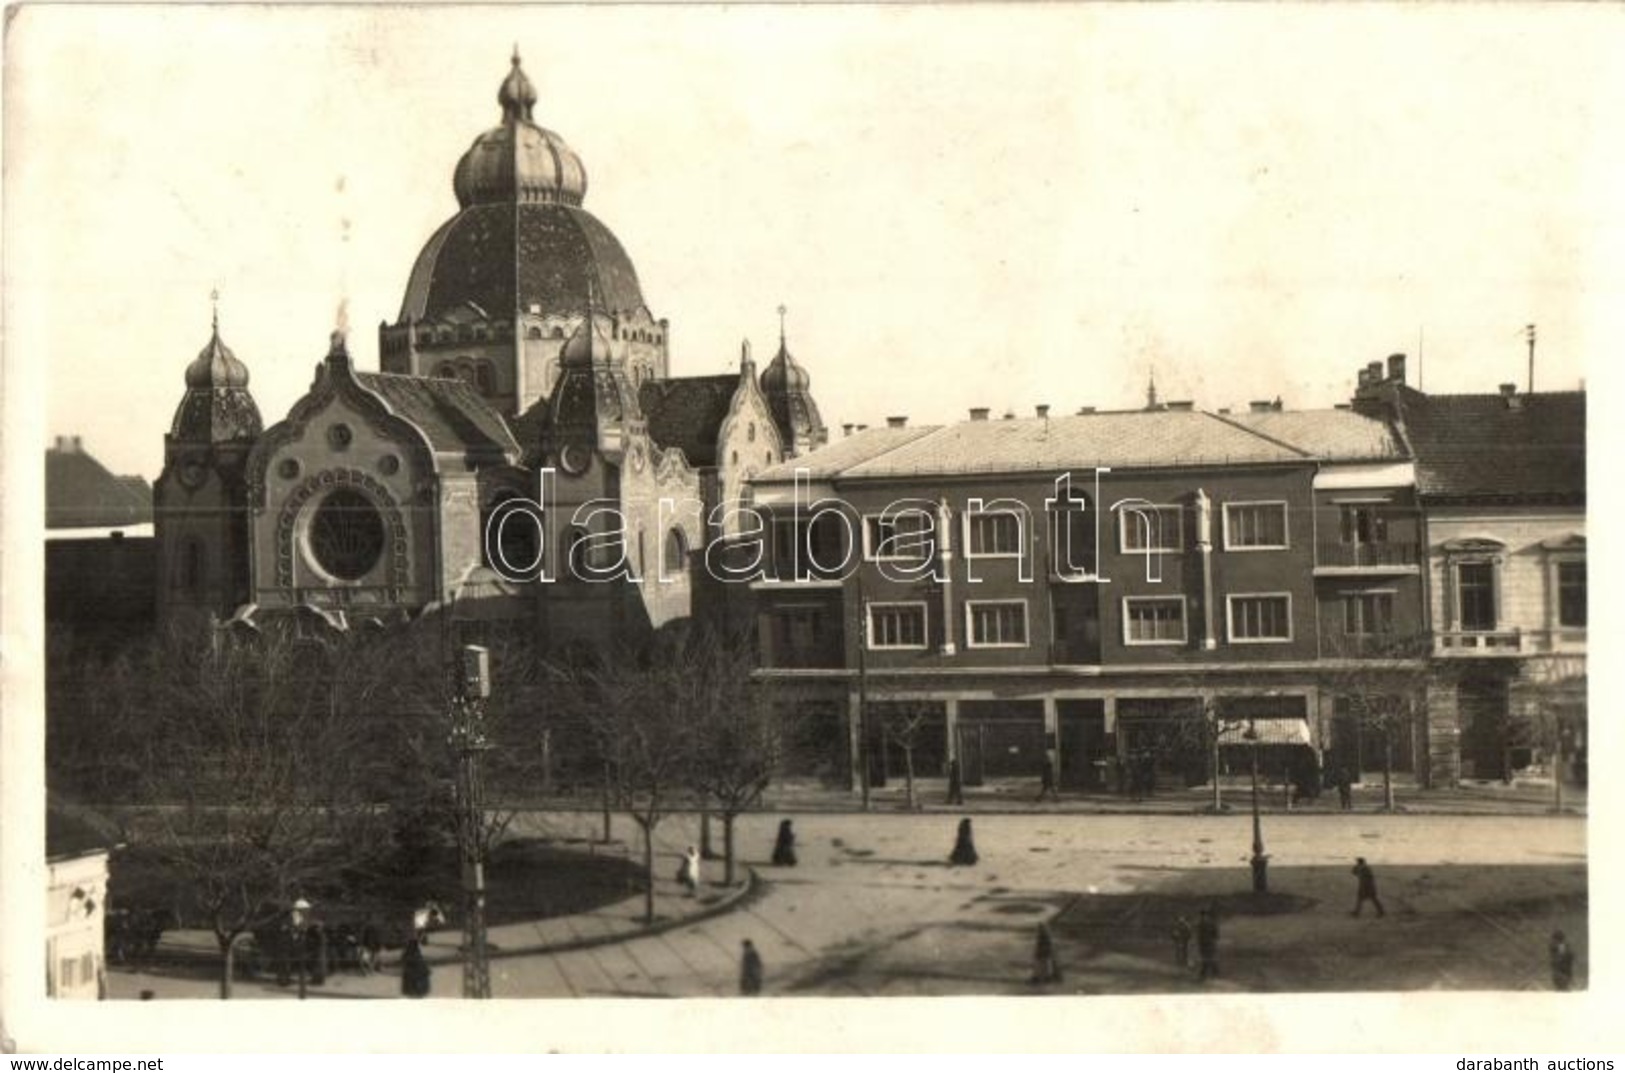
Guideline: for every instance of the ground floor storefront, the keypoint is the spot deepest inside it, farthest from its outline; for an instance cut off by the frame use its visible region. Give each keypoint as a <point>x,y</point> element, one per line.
<point>1131,734</point>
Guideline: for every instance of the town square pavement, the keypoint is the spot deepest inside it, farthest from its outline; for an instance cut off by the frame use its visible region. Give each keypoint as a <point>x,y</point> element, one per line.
<point>874,908</point>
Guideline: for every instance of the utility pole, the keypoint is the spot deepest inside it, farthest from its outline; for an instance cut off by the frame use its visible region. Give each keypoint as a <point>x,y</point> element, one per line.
<point>468,741</point>
<point>1260,860</point>
<point>863,695</point>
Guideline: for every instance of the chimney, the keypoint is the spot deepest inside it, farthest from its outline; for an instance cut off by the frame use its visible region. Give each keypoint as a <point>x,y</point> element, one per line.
<point>1374,372</point>
<point>1509,395</point>
<point>846,429</point>
<point>1261,406</point>
<point>1042,409</point>
<point>1009,415</point>
<point>861,428</point>
<point>1085,410</point>
<point>1396,368</point>
<point>77,444</point>
<point>1364,378</point>
<point>1508,390</point>
<point>1183,406</point>
<point>979,413</point>
<point>897,422</point>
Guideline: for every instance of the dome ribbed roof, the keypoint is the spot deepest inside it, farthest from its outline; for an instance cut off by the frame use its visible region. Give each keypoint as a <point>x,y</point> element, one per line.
<point>216,365</point>
<point>518,161</point>
<point>784,374</point>
<point>217,406</point>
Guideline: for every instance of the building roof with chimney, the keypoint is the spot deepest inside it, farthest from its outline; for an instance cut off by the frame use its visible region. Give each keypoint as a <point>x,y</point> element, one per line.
<point>1502,447</point>
<point>1120,439</point>
<point>80,492</point>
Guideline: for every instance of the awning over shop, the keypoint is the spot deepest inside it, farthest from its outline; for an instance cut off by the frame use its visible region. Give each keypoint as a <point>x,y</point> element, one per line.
<point>1270,731</point>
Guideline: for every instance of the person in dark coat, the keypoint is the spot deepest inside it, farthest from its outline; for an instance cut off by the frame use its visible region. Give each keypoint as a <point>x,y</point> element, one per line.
<point>1345,788</point>
<point>964,845</point>
<point>784,849</point>
<point>1182,942</point>
<point>956,785</point>
<point>1046,779</point>
<point>1046,970</point>
<point>1562,958</point>
<point>750,969</point>
<point>1367,891</point>
<point>414,971</point>
<point>1207,943</point>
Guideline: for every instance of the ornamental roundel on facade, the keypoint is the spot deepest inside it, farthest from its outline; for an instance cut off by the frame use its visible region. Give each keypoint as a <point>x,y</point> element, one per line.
<point>356,523</point>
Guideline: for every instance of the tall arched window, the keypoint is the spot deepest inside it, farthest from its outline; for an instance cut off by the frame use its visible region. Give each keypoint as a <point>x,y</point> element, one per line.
<point>674,556</point>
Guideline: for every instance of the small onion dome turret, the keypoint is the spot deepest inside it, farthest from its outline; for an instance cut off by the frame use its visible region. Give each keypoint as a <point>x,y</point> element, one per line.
<point>216,366</point>
<point>519,162</point>
<point>217,407</point>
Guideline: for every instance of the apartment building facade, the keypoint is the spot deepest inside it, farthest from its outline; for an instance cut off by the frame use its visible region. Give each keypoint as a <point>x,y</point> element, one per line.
<point>1104,594</point>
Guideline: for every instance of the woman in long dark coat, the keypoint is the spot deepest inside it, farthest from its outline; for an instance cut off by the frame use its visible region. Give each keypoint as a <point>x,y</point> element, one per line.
<point>784,849</point>
<point>964,845</point>
<point>414,971</point>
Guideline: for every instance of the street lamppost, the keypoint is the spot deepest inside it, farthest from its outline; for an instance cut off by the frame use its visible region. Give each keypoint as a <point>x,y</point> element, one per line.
<point>299,918</point>
<point>1260,861</point>
<point>468,741</point>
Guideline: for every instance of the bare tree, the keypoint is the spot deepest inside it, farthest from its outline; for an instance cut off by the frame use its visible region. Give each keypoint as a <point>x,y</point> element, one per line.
<point>1380,685</point>
<point>255,778</point>
<point>901,724</point>
<point>740,735</point>
<point>641,723</point>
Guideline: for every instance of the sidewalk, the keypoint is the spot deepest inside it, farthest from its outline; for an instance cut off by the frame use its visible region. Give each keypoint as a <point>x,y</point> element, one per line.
<point>187,962</point>
<point>1021,796</point>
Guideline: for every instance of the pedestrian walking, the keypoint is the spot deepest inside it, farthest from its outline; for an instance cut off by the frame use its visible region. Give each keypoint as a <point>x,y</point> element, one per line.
<point>784,848</point>
<point>1046,970</point>
<point>964,845</point>
<point>414,971</point>
<point>956,786</point>
<point>1367,891</point>
<point>1207,942</point>
<point>1046,780</point>
<point>688,873</point>
<point>1562,959</point>
<point>1182,942</point>
<point>1345,788</point>
<point>750,969</point>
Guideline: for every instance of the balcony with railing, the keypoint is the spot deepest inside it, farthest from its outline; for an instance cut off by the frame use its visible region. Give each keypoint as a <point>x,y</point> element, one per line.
<point>1479,643</point>
<point>1333,557</point>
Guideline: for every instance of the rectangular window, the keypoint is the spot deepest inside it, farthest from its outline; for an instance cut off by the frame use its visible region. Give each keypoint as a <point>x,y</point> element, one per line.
<point>1368,614</point>
<point>994,624</point>
<point>1254,525</point>
<point>896,625</point>
<point>814,549</point>
<point>798,628</point>
<point>1151,529</point>
<point>993,533</point>
<point>905,536</point>
<point>1475,595</point>
<point>1154,620</point>
<point>1260,618</point>
<point>1365,523</point>
<point>1571,594</point>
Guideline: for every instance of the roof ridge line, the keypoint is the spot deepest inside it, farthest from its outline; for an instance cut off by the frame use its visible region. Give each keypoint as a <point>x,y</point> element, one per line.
<point>1226,419</point>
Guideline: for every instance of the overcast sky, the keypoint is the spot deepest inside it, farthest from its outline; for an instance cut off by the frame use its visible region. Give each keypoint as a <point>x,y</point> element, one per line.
<point>961,206</point>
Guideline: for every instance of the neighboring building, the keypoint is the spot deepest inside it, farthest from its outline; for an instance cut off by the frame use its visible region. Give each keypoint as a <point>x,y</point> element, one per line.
<point>77,845</point>
<point>1099,591</point>
<point>524,368</point>
<point>99,551</point>
<point>1502,481</point>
